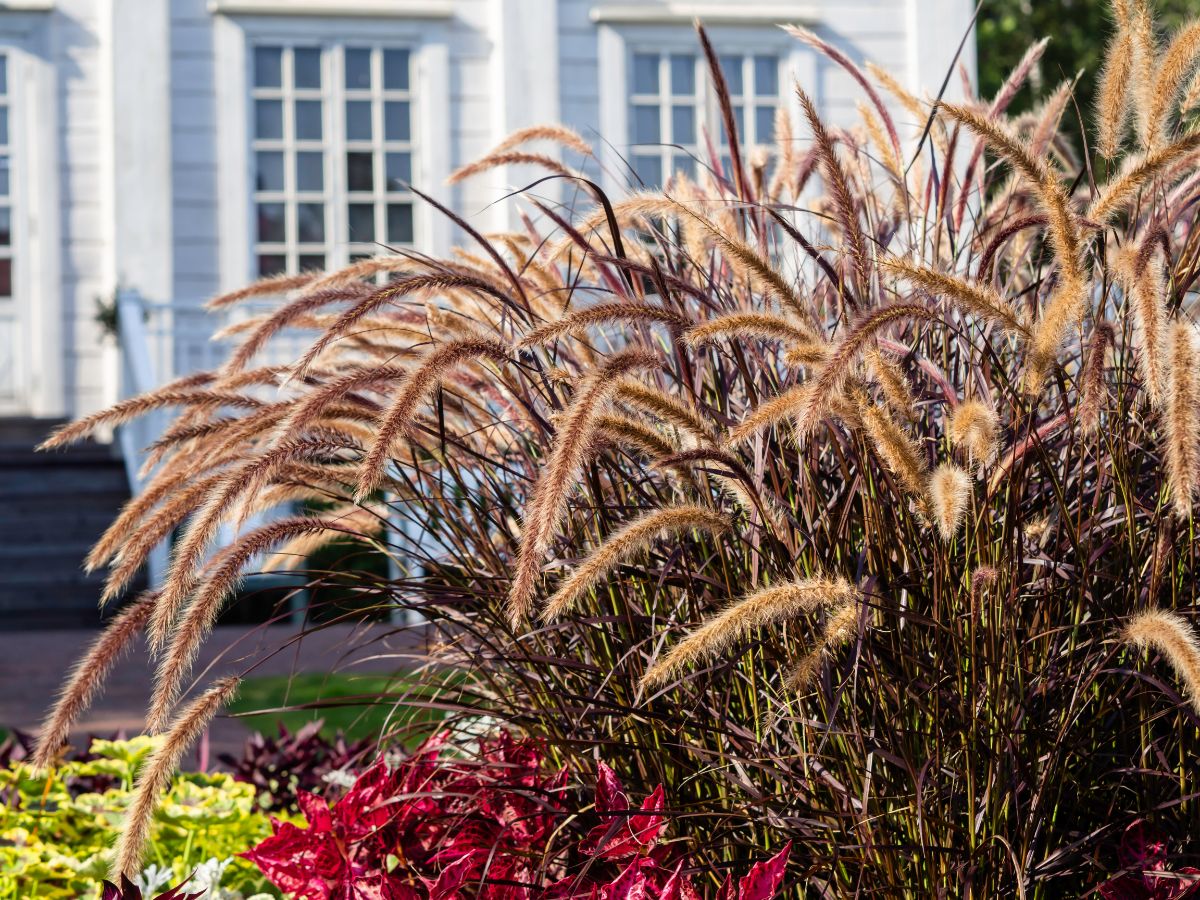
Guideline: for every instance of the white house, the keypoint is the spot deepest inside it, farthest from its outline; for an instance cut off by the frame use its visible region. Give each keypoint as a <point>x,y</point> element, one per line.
<point>178,148</point>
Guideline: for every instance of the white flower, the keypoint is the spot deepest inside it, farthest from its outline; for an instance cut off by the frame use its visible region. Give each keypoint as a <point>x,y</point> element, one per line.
<point>152,878</point>
<point>207,879</point>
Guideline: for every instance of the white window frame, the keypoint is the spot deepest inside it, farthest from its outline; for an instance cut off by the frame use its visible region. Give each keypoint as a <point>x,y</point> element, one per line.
<point>619,40</point>
<point>235,38</point>
<point>36,307</point>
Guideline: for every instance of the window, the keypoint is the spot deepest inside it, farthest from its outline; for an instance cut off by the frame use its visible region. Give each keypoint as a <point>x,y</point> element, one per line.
<point>6,212</point>
<point>672,103</point>
<point>332,144</point>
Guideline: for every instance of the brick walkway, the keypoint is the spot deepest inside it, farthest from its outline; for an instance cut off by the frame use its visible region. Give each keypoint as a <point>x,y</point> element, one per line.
<point>33,664</point>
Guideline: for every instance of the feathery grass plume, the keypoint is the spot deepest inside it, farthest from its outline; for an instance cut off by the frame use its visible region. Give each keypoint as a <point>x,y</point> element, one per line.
<point>969,297</point>
<point>786,152</point>
<point>135,407</point>
<point>509,158</point>
<point>972,426</point>
<point>218,582</point>
<point>622,544</point>
<point>547,503</point>
<point>264,287</point>
<point>749,325</point>
<point>949,491</point>
<point>367,521</point>
<point>1144,30</point>
<point>1061,313</point>
<point>883,148</point>
<point>1181,417</point>
<point>892,381</point>
<point>841,627</point>
<point>896,448</point>
<point>601,314</point>
<point>667,408</point>
<point>1176,64</point>
<point>769,413</point>
<point>1093,391</point>
<point>1113,96</point>
<point>87,679</point>
<point>1191,96</point>
<point>399,420</point>
<point>832,376</point>
<point>156,774</point>
<point>1146,290</point>
<point>1136,172</point>
<point>312,407</point>
<point>1170,634</point>
<point>625,430</point>
<point>769,606</point>
<point>557,134</point>
<point>911,103</point>
<point>843,198</point>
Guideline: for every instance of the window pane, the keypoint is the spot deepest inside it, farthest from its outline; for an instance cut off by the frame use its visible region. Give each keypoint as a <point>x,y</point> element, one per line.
<point>400,223</point>
<point>645,125</point>
<point>269,168</point>
<point>395,70</point>
<point>648,169</point>
<point>399,171</point>
<point>310,223</point>
<point>308,120</point>
<point>268,119</point>
<point>310,174</point>
<point>766,76</point>
<point>764,124</point>
<point>270,223</point>
<point>4,125</point>
<point>5,226</point>
<point>683,75</point>
<point>3,175</point>
<point>306,67</point>
<point>731,66</point>
<point>272,264</point>
<point>683,124</point>
<point>5,277</point>
<point>310,261</point>
<point>395,120</point>
<point>681,162</point>
<point>267,67</point>
<point>645,73</point>
<point>359,174</point>
<point>358,68</point>
<point>3,74</point>
<point>358,120</point>
<point>362,222</point>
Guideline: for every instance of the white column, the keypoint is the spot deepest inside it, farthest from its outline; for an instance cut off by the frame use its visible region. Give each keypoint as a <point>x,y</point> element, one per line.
<point>935,29</point>
<point>524,65</point>
<point>140,160</point>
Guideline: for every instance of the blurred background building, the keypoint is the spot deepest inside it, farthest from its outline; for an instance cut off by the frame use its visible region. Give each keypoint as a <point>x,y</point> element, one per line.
<point>154,153</point>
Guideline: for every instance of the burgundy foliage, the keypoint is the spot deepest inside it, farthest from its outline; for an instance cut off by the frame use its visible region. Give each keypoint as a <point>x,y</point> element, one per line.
<point>497,827</point>
<point>1145,876</point>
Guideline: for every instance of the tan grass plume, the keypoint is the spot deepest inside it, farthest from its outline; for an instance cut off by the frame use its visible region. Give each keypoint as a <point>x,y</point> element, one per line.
<point>156,774</point>
<point>769,606</point>
<point>1181,417</point>
<point>1171,635</point>
<point>949,493</point>
<point>625,542</point>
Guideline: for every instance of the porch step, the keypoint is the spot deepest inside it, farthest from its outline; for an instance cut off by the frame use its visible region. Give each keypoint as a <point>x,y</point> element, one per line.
<point>53,507</point>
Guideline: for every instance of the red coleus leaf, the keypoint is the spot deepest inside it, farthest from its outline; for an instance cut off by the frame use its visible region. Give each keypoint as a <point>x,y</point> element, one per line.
<point>623,835</point>
<point>764,878</point>
<point>130,891</point>
<point>1143,854</point>
<point>1143,847</point>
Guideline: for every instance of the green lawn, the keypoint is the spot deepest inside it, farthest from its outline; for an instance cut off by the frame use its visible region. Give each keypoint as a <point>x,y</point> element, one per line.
<point>358,705</point>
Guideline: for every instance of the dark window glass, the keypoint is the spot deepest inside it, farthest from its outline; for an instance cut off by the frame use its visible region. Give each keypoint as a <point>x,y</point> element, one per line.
<point>308,120</point>
<point>271,264</point>
<point>358,120</point>
<point>681,162</point>
<point>267,67</point>
<point>395,70</point>
<point>400,223</point>
<point>5,226</point>
<point>362,222</point>
<point>359,171</point>
<point>3,175</point>
<point>310,261</point>
<point>310,171</point>
<point>270,223</point>
<point>645,73</point>
<point>648,169</point>
<point>731,67</point>
<point>358,68</point>
<point>399,171</point>
<point>268,119</point>
<point>3,74</point>
<point>5,277</point>
<point>395,120</point>
<point>683,124</point>
<point>645,125</point>
<point>269,170</point>
<point>306,67</point>
<point>766,76</point>
<point>764,124</point>
<point>683,75</point>
<point>310,223</point>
